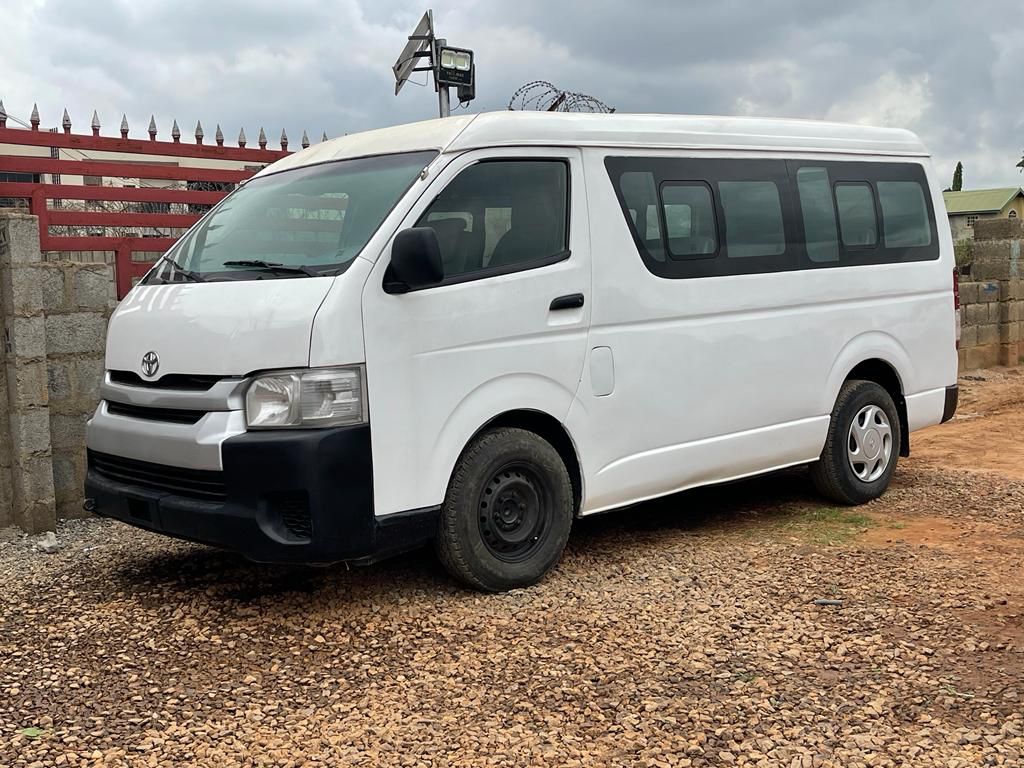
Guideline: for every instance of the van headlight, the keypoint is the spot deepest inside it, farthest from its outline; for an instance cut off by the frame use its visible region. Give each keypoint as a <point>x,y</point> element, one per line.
<point>317,397</point>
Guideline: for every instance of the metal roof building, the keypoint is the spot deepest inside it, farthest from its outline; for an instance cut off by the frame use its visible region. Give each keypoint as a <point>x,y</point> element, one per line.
<point>980,200</point>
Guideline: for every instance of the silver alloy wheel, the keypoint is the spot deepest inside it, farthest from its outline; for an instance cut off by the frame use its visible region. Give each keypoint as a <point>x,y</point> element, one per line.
<point>869,446</point>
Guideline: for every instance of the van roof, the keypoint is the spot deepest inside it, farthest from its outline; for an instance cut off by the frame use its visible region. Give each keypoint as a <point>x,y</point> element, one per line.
<point>506,129</point>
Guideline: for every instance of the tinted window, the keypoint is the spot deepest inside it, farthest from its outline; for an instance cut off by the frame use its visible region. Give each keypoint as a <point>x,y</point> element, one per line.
<point>753,218</point>
<point>857,222</point>
<point>819,215</point>
<point>501,214</point>
<point>678,220</point>
<point>773,215</point>
<point>640,194</point>
<point>689,219</point>
<point>465,218</point>
<point>904,214</point>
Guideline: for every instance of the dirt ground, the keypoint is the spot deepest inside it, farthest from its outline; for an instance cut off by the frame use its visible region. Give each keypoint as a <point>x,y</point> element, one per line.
<point>985,437</point>
<point>986,433</point>
<point>743,625</point>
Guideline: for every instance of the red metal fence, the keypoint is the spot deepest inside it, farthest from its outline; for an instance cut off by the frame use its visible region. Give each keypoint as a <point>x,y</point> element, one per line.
<point>148,217</point>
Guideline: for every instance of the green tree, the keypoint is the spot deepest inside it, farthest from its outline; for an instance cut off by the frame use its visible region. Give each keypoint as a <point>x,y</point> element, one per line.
<point>958,178</point>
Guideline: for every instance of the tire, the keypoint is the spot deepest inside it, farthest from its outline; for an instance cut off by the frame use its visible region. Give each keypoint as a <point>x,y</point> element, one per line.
<point>856,466</point>
<point>507,513</point>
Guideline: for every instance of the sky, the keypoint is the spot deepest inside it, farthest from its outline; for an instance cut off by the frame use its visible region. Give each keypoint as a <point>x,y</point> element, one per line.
<point>951,71</point>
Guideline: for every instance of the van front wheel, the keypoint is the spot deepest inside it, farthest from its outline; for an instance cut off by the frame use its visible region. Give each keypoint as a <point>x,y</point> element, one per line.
<point>862,446</point>
<point>508,511</point>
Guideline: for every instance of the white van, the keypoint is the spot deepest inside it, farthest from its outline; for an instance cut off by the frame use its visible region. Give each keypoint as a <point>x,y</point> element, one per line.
<point>473,330</point>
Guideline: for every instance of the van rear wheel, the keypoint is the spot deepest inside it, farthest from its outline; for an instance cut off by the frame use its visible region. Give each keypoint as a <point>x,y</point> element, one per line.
<point>507,513</point>
<point>862,447</point>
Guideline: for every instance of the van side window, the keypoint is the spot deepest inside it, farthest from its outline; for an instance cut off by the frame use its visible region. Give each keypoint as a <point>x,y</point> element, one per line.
<point>819,214</point>
<point>772,214</point>
<point>857,223</point>
<point>497,222</point>
<point>500,215</point>
<point>466,218</point>
<point>753,219</point>
<point>689,219</point>
<point>904,214</point>
<point>641,197</point>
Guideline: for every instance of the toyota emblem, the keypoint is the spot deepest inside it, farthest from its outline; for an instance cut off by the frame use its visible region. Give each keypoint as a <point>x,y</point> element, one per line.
<point>150,364</point>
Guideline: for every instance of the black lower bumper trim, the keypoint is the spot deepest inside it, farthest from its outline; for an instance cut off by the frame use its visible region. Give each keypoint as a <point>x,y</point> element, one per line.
<point>952,398</point>
<point>291,496</point>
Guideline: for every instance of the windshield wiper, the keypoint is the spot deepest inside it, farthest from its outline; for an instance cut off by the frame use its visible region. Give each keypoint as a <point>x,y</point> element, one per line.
<point>272,266</point>
<point>195,277</point>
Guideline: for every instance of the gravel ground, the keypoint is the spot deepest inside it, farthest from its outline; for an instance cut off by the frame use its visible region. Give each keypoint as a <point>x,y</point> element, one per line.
<point>682,632</point>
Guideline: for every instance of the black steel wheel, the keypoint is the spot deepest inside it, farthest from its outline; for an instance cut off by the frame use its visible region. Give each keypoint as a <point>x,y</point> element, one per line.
<point>507,513</point>
<point>514,509</point>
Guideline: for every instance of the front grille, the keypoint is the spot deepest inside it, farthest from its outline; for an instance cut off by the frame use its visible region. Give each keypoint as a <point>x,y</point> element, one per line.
<point>194,483</point>
<point>293,509</point>
<point>185,382</point>
<point>173,415</point>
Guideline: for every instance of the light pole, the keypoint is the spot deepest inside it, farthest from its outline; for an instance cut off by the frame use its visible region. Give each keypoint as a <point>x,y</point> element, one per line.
<point>451,67</point>
<point>444,105</point>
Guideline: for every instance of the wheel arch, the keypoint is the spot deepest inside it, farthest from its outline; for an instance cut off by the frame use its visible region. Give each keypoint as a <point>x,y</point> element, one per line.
<point>886,376</point>
<point>880,357</point>
<point>550,429</point>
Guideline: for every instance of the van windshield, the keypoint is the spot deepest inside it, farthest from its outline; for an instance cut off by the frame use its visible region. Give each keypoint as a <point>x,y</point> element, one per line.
<point>305,222</point>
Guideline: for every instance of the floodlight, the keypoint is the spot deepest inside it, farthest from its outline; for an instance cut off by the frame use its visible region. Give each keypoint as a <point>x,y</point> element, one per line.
<point>455,66</point>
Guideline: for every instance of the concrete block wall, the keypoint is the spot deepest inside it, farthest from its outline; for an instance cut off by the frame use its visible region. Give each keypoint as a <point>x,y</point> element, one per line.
<point>992,301</point>
<point>54,320</point>
<point>77,308</point>
<point>6,456</point>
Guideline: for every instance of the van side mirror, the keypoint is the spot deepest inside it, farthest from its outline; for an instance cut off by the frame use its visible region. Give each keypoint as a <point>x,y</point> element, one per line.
<point>415,261</point>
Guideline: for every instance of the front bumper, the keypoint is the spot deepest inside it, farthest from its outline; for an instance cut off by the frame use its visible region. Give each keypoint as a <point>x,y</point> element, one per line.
<point>289,496</point>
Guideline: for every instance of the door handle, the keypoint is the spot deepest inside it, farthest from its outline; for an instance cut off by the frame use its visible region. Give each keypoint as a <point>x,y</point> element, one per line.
<point>569,301</point>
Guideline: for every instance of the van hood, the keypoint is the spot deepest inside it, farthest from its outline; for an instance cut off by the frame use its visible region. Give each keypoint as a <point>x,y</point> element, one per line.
<point>229,328</point>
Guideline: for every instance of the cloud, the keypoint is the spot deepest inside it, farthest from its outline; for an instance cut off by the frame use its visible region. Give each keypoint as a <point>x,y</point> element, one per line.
<point>891,101</point>
<point>953,76</point>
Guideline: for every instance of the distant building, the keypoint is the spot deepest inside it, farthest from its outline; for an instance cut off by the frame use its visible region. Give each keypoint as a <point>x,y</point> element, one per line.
<point>965,208</point>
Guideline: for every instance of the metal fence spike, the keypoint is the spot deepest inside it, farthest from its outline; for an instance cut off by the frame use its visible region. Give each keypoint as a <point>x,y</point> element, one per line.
<point>262,141</point>
<point>124,126</point>
<point>3,115</point>
<point>199,132</point>
<point>176,132</point>
<point>284,139</point>
<point>241,138</point>
<point>34,119</point>
<point>95,124</point>
<point>152,128</point>
<point>219,136</point>
<point>66,121</point>
<point>305,140</point>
